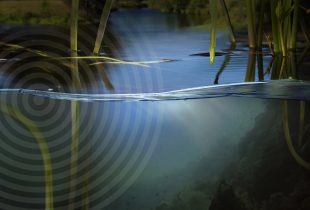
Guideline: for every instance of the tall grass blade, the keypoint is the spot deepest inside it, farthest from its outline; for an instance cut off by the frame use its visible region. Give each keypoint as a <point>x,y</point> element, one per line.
<point>102,25</point>
<point>213,13</point>
<point>287,22</point>
<point>251,24</point>
<point>260,24</point>
<point>74,24</point>
<point>227,18</point>
<point>75,108</point>
<point>275,26</point>
<point>295,25</point>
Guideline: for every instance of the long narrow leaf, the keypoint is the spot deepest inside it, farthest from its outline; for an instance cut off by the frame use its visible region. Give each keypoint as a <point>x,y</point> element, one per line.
<point>228,21</point>
<point>213,12</point>
<point>102,25</point>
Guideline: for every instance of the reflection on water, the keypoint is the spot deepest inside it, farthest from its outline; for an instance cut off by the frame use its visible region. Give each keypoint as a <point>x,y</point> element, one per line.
<point>156,55</point>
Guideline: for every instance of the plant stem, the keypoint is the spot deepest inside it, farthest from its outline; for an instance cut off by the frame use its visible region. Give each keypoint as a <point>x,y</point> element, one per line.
<point>251,24</point>
<point>74,24</point>
<point>275,23</point>
<point>230,26</point>
<point>102,26</point>
<point>250,73</point>
<point>213,13</point>
<point>295,25</point>
<point>289,142</point>
<point>260,25</point>
<point>43,146</point>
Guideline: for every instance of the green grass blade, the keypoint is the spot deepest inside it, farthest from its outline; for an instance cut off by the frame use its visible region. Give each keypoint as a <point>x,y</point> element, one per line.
<point>228,21</point>
<point>74,24</point>
<point>251,24</point>
<point>102,25</point>
<point>260,24</point>
<point>295,25</point>
<point>275,27</point>
<point>213,12</point>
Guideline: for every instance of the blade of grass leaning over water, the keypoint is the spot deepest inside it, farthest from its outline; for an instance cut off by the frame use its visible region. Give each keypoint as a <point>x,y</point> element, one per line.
<point>227,18</point>
<point>102,25</point>
<point>43,146</point>
<point>213,13</point>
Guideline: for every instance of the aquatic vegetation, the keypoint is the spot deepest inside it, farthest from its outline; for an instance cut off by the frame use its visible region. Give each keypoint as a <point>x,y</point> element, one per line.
<point>213,12</point>
<point>251,23</point>
<point>288,137</point>
<point>43,146</point>
<point>228,21</point>
<point>102,25</point>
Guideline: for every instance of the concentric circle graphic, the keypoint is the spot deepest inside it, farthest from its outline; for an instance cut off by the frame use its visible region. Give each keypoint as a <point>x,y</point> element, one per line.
<point>63,153</point>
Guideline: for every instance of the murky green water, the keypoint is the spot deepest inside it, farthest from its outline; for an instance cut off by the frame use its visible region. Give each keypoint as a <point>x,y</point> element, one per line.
<point>81,135</point>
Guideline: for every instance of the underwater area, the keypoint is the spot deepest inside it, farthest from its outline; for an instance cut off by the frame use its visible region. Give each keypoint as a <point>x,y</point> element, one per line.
<point>149,123</point>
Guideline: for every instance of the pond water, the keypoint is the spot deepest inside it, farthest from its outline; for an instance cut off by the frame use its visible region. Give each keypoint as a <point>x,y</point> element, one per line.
<point>162,129</point>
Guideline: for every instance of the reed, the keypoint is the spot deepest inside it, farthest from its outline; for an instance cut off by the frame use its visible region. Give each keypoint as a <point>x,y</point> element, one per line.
<point>228,21</point>
<point>293,38</point>
<point>74,24</point>
<point>251,23</point>
<point>250,73</point>
<point>75,107</point>
<point>275,27</point>
<point>261,24</point>
<point>213,13</point>
<point>43,146</point>
<point>260,66</point>
<point>102,26</point>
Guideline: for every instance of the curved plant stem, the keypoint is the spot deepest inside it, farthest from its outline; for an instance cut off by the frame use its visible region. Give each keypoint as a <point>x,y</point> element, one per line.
<point>43,146</point>
<point>289,142</point>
